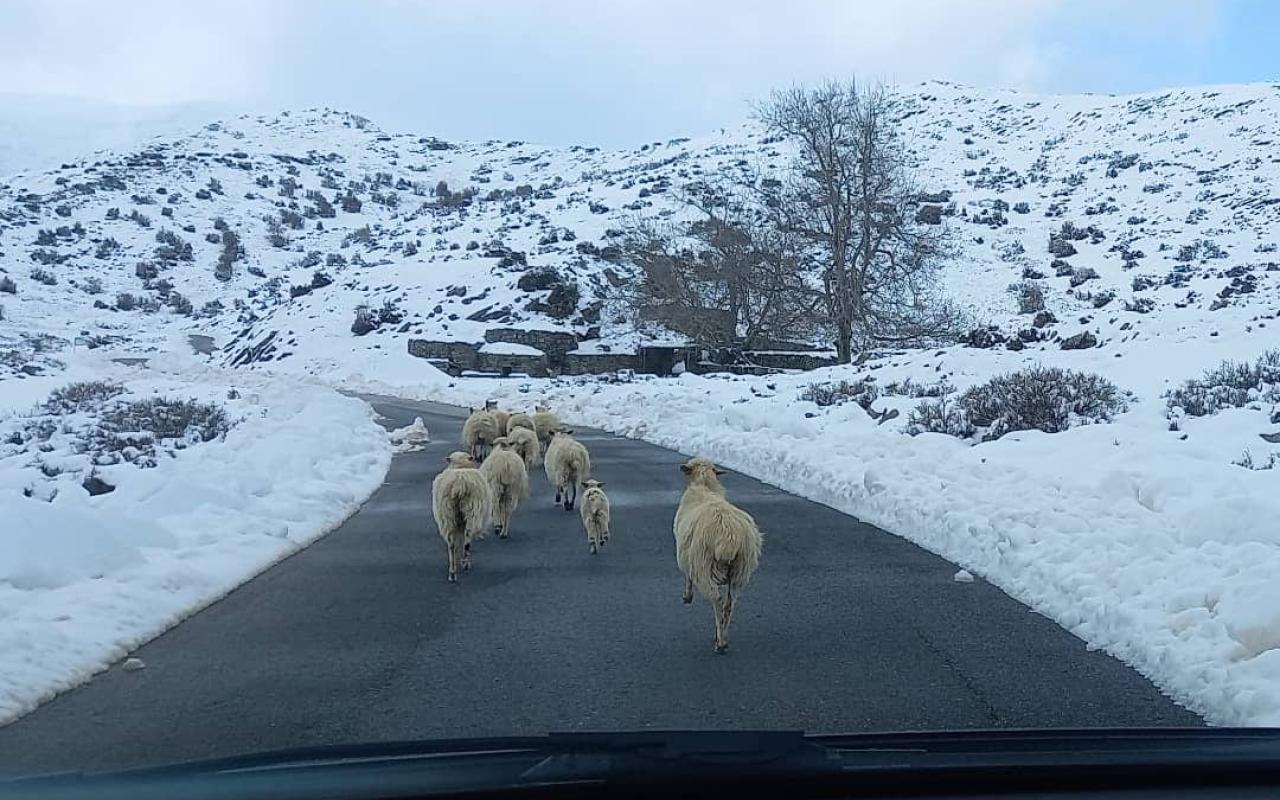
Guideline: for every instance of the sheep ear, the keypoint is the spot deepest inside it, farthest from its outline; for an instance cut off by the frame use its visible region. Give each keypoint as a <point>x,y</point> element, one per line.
<point>719,471</point>
<point>686,469</point>
<point>586,485</point>
<point>600,484</point>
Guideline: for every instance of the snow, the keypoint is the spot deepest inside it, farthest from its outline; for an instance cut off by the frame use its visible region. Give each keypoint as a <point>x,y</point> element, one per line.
<point>411,438</point>
<point>510,349</point>
<point>83,580</point>
<point>963,576</point>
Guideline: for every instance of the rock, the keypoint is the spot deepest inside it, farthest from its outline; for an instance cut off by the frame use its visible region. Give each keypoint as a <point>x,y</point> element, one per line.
<point>1061,268</point>
<point>1271,438</point>
<point>1081,341</point>
<point>1031,274</point>
<point>929,215</point>
<point>1044,318</point>
<point>1015,345</point>
<point>96,486</point>
<point>983,338</point>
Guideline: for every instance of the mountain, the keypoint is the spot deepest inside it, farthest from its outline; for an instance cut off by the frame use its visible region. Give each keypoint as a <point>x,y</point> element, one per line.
<point>1141,221</point>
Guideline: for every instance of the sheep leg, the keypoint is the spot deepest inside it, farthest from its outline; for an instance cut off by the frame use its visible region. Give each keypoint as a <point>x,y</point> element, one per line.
<point>570,494</point>
<point>688,591</point>
<point>452,546</point>
<point>466,557</point>
<point>558,489</point>
<point>726,611</point>
<point>723,604</point>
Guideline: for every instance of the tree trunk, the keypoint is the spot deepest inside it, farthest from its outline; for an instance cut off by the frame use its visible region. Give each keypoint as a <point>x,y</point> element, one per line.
<point>844,343</point>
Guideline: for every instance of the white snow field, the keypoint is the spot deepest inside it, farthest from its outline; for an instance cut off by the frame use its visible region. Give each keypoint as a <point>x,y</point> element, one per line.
<point>84,579</point>
<point>1147,536</point>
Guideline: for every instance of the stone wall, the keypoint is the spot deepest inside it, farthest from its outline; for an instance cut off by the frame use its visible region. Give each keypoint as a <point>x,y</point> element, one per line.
<point>467,356</point>
<point>554,343</point>
<point>599,364</point>
<point>655,360</point>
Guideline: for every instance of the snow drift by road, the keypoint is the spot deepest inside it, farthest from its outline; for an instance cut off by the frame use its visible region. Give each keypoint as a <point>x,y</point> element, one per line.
<point>85,579</point>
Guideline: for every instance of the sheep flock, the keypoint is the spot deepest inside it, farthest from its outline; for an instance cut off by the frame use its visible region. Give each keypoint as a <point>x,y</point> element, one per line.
<point>717,544</point>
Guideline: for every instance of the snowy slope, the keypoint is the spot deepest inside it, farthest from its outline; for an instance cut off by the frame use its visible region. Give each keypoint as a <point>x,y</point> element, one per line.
<point>1146,541</point>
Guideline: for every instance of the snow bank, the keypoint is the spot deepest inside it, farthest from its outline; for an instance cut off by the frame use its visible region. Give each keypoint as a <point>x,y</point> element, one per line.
<point>1145,542</point>
<point>85,579</point>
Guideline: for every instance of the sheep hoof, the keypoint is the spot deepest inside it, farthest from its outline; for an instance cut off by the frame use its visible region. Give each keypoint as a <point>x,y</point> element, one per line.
<point>453,579</point>
<point>687,599</point>
<point>593,549</point>
<point>721,648</point>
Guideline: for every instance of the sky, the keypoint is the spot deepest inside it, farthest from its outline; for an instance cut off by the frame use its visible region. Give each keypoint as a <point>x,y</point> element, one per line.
<point>608,72</point>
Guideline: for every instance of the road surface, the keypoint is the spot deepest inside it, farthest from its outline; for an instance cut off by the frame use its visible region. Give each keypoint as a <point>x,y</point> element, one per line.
<point>359,637</point>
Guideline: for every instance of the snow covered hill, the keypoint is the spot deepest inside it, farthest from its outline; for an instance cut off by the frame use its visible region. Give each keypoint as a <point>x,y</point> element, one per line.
<point>1167,202</point>
<point>1130,237</point>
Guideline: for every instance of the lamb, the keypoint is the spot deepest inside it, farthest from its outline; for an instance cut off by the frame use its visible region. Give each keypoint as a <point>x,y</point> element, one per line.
<point>499,416</point>
<point>508,481</point>
<point>595,514</point>
<point>566,463</point>
<point>717,544</point>
<point>461,503</point>
<point>478,433</point>
<point>520,420</point>
<point>525,442</point>
<point>544,424</point>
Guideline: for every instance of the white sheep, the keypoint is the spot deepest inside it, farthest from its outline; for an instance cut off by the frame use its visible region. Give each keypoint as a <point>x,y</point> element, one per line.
<point>519,419</point>
<point>545,423</point>
<point>461,503</point>
<point>500,417</point>
<point>525,442</point>
<point>717,544</point>
<point>595,513</point>
<point>478,433</point>
<point>566,463</point>
<point>508,482</point>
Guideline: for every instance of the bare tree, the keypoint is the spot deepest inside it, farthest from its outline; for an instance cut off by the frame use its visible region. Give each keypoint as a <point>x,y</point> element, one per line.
<point>729,277</point>
<point>851,196</point>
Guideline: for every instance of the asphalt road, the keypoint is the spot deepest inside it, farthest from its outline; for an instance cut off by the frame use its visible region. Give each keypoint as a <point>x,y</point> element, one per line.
<point>360,638</point>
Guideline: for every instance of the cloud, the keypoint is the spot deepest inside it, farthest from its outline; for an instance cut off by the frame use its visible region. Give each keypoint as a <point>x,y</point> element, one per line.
<point>622,71</point>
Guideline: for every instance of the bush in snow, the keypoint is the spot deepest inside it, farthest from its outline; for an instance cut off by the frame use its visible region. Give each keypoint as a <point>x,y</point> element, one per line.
<point>180,304</point>
<point>90,424</point>
<point>43,276</point>
<point>1030,297</point>
<point>7,285</point>
<point>231,252</point>
<point>1048,399</point>
<point>834,393</point>
<point>1229,385</point>
<point>126,301</point>
<point>91,286</point>
<point>365,321</point>
<point>1247,461</point>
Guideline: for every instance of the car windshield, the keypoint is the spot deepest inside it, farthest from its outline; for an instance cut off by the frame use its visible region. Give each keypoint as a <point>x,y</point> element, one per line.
<point>381,371</point>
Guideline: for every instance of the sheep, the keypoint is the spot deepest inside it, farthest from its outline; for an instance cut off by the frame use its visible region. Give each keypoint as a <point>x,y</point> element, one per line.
<point>499,416</point>
<point>525,442</point>
<point>595,513</point>
<point>461,503</point>
<point>717,544</point>
<point>566,463</point>
<point>520,419</point>
<point>508,481</point>
<point>544,424</point>
<point>478,433</point>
